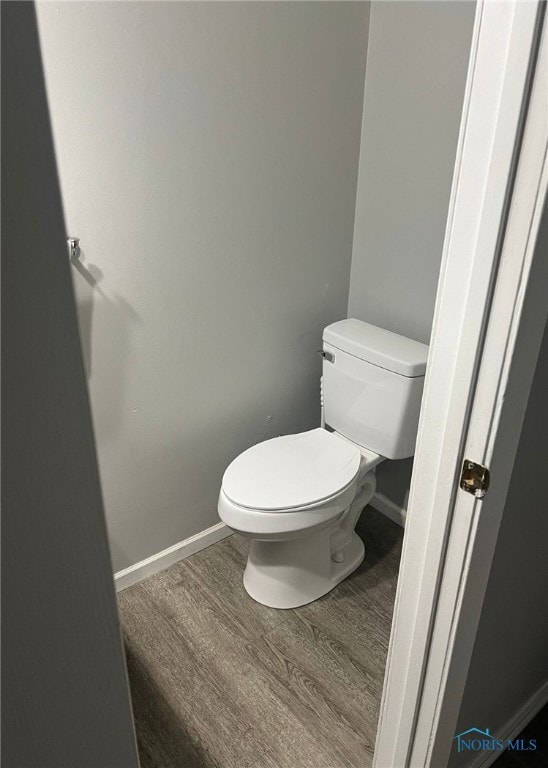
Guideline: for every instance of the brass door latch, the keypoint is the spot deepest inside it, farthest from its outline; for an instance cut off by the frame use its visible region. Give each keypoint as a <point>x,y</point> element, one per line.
<point>474,478</point>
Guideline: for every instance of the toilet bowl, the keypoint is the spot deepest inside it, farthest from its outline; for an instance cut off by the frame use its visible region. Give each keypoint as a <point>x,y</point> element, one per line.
<point>298,498</point>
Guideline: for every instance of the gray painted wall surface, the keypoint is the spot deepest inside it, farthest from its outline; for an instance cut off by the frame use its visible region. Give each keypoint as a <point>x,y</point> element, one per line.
<point>208,157</point>
<point>510,659</point>
<point>65,700</point>
<point>417,62</point>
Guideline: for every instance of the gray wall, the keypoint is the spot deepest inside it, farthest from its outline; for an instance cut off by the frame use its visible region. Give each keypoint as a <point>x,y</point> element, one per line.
<point>65,700</point>
<point>510,659</point>
<point>208,157</point>
<point>417,62</point>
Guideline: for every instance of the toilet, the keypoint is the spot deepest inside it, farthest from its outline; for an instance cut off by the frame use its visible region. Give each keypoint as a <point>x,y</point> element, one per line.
<point>298,497</point>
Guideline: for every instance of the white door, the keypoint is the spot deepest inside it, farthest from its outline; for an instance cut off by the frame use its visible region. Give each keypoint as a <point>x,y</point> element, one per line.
<point>65,696</point>
<point>490,314</point>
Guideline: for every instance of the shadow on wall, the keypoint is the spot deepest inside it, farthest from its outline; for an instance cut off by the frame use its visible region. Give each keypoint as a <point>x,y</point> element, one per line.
<point>119,317</point>
<point>396,476</point>
<point>92,276</point>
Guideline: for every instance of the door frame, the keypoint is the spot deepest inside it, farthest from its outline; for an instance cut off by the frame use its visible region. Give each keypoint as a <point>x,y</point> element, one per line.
<point>488,323</point>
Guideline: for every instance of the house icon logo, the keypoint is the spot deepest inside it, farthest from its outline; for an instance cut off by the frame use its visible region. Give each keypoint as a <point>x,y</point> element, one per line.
<point>477,740</point>
<point>474,739</point>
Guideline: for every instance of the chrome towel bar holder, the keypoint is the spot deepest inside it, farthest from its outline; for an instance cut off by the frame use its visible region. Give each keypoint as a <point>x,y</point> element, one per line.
<point>73,244</point>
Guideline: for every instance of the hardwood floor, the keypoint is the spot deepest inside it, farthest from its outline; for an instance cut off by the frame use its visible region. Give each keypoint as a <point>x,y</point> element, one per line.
<point>219,681</point>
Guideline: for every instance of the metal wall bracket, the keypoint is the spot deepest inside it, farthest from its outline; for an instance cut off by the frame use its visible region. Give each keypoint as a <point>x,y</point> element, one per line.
<point>73,244</point>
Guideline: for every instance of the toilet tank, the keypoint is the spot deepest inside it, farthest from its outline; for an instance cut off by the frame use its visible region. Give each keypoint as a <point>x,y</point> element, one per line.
<point>372,386</point>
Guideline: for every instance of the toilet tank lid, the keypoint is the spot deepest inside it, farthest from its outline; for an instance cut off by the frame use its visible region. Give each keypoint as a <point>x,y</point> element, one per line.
<point>378,346</point>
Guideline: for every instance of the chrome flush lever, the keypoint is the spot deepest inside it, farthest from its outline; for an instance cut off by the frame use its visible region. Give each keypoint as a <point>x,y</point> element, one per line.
<point>329,356</point>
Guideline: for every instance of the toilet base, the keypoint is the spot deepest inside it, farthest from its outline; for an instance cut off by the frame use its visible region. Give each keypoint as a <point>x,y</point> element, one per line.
<point>294,572</point>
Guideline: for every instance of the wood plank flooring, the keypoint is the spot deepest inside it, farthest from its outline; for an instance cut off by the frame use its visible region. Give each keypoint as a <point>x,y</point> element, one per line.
<point>219,681</point>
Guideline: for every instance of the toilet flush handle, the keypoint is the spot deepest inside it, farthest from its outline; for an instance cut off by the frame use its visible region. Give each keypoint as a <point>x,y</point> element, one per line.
<point>329,356</point>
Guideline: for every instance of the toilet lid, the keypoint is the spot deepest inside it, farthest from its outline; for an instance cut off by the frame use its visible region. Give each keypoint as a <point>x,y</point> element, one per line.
<point>292,471</point>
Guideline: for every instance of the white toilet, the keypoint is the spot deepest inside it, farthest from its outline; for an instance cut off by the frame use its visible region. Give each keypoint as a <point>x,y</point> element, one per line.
<point>298,497</point>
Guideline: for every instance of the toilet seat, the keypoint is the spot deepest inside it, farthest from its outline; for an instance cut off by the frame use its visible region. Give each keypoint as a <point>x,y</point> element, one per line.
<point>287,523</point>
<point>287,473</point>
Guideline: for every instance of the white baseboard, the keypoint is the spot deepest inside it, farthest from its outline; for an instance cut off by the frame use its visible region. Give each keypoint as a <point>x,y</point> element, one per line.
<point>167,557</point>
<point>383,504</point>
<point>514,726</point>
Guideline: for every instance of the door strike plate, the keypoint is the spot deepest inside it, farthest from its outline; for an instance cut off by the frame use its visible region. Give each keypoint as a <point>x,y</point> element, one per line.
<point>474,479</point>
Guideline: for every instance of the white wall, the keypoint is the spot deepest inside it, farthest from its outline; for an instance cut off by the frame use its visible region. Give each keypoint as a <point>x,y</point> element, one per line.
<point>510,661</point>
<point>416,71</point>
<point>208,156</point>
